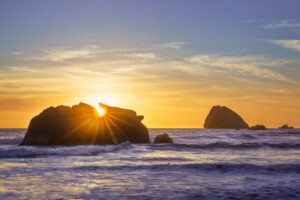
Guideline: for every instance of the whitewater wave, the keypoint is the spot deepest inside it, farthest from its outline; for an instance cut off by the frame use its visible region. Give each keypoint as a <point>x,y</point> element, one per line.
<point>222,167</point>
<point>85,150</point>
<point>92,150</point>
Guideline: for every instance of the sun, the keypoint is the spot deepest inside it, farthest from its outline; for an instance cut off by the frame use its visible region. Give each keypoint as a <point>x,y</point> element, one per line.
<point>108,99</point>
<point>101,111</point>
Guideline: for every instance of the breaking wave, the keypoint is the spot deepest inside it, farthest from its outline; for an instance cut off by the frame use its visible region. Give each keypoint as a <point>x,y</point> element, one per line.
<point>92,150</point>
<point>87,150</point>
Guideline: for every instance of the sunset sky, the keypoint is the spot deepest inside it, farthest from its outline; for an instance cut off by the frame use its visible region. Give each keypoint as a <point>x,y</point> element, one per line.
<point>170,61</point>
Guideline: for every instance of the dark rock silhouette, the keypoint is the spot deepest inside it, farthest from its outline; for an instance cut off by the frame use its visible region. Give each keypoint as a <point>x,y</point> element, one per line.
<point>223,117</point>
<point>285,126</point>
<point>258,127</point>
<point>163,138</point>
<point>81,125</point>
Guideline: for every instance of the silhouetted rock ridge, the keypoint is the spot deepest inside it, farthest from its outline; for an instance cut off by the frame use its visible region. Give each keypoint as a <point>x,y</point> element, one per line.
<point>285,126</point>
<point>258,127</point>
<point>81,125</point>
<point>223,117</point>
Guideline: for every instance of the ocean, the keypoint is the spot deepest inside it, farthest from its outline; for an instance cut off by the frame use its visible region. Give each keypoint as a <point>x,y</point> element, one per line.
<point>201,164</point>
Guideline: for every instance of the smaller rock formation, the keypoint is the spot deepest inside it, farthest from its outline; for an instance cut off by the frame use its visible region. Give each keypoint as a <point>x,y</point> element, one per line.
<point>163,138</point>
<point>258,127</point>
<point>223,117</point>
<point>285,126</point>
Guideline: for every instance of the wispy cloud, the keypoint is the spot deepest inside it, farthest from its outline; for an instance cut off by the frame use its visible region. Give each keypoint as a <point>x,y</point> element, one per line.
<point>292,44</point>
<point>111,69</point>
<point>20,68</point>
<point>247,65</point>
<point>17,53</point>
<point>173,45</point>
<point>26,69</point>
<point>290,23</point>
<point>62,54</point>
<point>145,55</point>
<point>65,54</point>
<point>74,77</point>
<point>151,63</point>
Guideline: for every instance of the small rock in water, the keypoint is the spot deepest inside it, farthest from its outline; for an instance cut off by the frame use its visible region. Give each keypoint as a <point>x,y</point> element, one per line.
<point>163,138</point>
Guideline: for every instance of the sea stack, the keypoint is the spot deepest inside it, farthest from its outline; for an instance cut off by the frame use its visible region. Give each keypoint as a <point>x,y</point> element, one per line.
<point>221,117</point>
<point>82,125</point>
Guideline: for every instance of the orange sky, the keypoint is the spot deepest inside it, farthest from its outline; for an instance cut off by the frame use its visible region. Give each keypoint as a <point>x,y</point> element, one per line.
<point>169,94</point>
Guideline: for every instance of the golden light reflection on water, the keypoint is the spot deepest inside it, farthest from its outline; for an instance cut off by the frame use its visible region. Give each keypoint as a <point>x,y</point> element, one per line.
<point>7,165</point>
<point>189,158</point>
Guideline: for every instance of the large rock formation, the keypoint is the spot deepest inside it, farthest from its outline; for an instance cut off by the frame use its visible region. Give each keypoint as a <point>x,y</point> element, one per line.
<point>223,117</point>
<point>81,124</point>
<point>163,138</point>
<point>258,127</point>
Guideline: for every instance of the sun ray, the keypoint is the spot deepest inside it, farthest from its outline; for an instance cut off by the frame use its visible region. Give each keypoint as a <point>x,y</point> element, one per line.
<point>110,131</point>
<point>115,126</point>
<point>72,131</point>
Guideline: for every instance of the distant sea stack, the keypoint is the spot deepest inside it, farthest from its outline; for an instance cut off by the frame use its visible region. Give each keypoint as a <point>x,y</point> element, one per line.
<point>285,126</point>
<point>258,127</point>
<point>221,117</point>
<point>82,125</point>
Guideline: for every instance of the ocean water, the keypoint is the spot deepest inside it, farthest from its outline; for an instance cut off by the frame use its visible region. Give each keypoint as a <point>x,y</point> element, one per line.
<point>201,164</point>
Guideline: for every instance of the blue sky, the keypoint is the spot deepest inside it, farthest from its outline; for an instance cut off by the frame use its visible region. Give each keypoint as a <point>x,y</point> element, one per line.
<point>206,26</point>
<point>186,54</point>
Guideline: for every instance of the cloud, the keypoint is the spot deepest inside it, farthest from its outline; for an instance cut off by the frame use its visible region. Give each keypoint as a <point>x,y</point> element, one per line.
<point>247,65</point>
<point>93,61</point>
<point>140,67</point>
<point>145,55</point>
<point>291,23</point>
<point>20,68</point>
<point>63,54</point>
<point>17,53</point>
<point>26,69</point>
<point>291,44</point>
<point>278,91</point>
<point>74,77</point>
<point>173,45</point>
